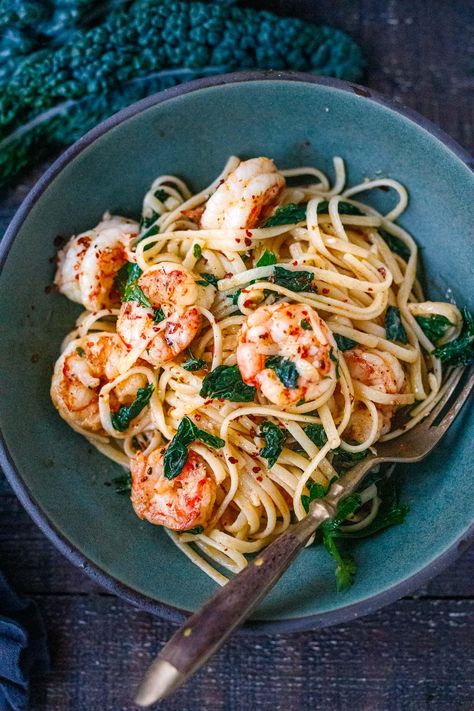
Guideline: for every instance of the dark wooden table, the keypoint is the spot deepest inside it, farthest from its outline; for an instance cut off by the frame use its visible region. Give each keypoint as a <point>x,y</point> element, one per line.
<point>416,654</point>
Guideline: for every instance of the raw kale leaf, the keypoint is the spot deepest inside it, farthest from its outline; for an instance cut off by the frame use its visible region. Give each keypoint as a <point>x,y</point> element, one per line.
<point>285,369</point>
<point>125,414</point>
<point>274,437</point>
<point>461,350</point>
<point>393,325</point>
<point>225,383</point>
<point>176,452</point>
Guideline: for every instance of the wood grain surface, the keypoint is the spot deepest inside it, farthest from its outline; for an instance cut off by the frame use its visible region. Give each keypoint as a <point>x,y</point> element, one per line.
<point>414,655</point>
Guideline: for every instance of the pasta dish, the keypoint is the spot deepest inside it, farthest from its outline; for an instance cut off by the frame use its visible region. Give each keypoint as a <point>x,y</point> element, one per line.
<point>242,346</point>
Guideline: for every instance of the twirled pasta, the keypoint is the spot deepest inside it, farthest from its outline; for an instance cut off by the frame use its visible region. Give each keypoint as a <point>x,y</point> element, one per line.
<point>364,374</point>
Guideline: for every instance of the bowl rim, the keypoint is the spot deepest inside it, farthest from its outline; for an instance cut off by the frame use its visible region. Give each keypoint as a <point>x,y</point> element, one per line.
<point>167,611</point>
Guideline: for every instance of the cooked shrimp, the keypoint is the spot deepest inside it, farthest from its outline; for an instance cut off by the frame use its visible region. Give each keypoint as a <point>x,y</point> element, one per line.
<point>172,288</point>
<point>246,196</point>
<point>181,503</point>
<point>382,372</point>
<point>298,334</point>
<point>89,262</point>
<point>80,372</point>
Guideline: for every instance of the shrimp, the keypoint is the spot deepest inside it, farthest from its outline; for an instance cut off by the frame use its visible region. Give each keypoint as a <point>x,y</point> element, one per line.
<point>296,333</point>
<point>246,196</point>
<point>181,503</point>
<point>89,262</point>
<point>79,374</point>
<point>173,289</point>
<point>382,372</point>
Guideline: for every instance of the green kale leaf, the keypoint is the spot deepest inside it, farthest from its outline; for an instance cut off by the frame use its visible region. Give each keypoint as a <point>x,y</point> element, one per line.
<point>194,363</point>
<point>434,327</point>
<point>125,414</point>
<point>285,369</point>
<point>225,383</point>
<point>207,279</point>
<point>287,215</point>
<point>293,280</point>
<point>267,259</point>
<point>395,244</point>
<point>393,325</point>
<point>126,283</point>
<point>161,195</point>
<point>390,513</point>
<point>343,343</point>
<point>176,452</point>
<point>274,437</point>
<point>461,350</point>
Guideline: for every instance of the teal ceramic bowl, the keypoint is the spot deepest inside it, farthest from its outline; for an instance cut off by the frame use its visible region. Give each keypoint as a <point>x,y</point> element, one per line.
<point>190,131</point>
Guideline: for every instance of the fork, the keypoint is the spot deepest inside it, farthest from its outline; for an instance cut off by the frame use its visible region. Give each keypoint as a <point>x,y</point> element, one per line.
<point>204,632</point>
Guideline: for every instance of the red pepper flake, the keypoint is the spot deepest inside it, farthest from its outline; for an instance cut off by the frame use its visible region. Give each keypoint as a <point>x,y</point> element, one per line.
<point>227,275</point>
<point>370,289</point>
<point>207,402</point>
<point>325,291</point>
<point>237,239</point>
<point>248,303</point>
<point>255,470</point>
<point>197,417</point>
<point>259,478</point>
<point>248,242</point>
<point>295,263</point>
<point>233,460</point>
<point>248,233</point>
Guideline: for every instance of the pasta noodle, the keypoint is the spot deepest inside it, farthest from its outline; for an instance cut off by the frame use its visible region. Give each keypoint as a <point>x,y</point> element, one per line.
<point>354,284</point>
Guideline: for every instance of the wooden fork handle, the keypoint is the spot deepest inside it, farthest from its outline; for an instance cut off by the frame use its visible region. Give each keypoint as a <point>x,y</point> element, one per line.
<point>206,630</point>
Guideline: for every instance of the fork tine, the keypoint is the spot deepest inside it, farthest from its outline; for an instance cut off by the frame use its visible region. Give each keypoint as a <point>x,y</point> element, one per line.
<point>458,403</point>
<point>450,386</point>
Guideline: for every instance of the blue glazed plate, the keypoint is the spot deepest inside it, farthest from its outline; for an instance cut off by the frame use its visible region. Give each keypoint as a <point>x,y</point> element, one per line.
<point>190,130</point>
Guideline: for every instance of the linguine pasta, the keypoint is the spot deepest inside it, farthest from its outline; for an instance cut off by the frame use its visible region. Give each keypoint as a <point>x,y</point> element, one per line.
<point>359,304</point>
